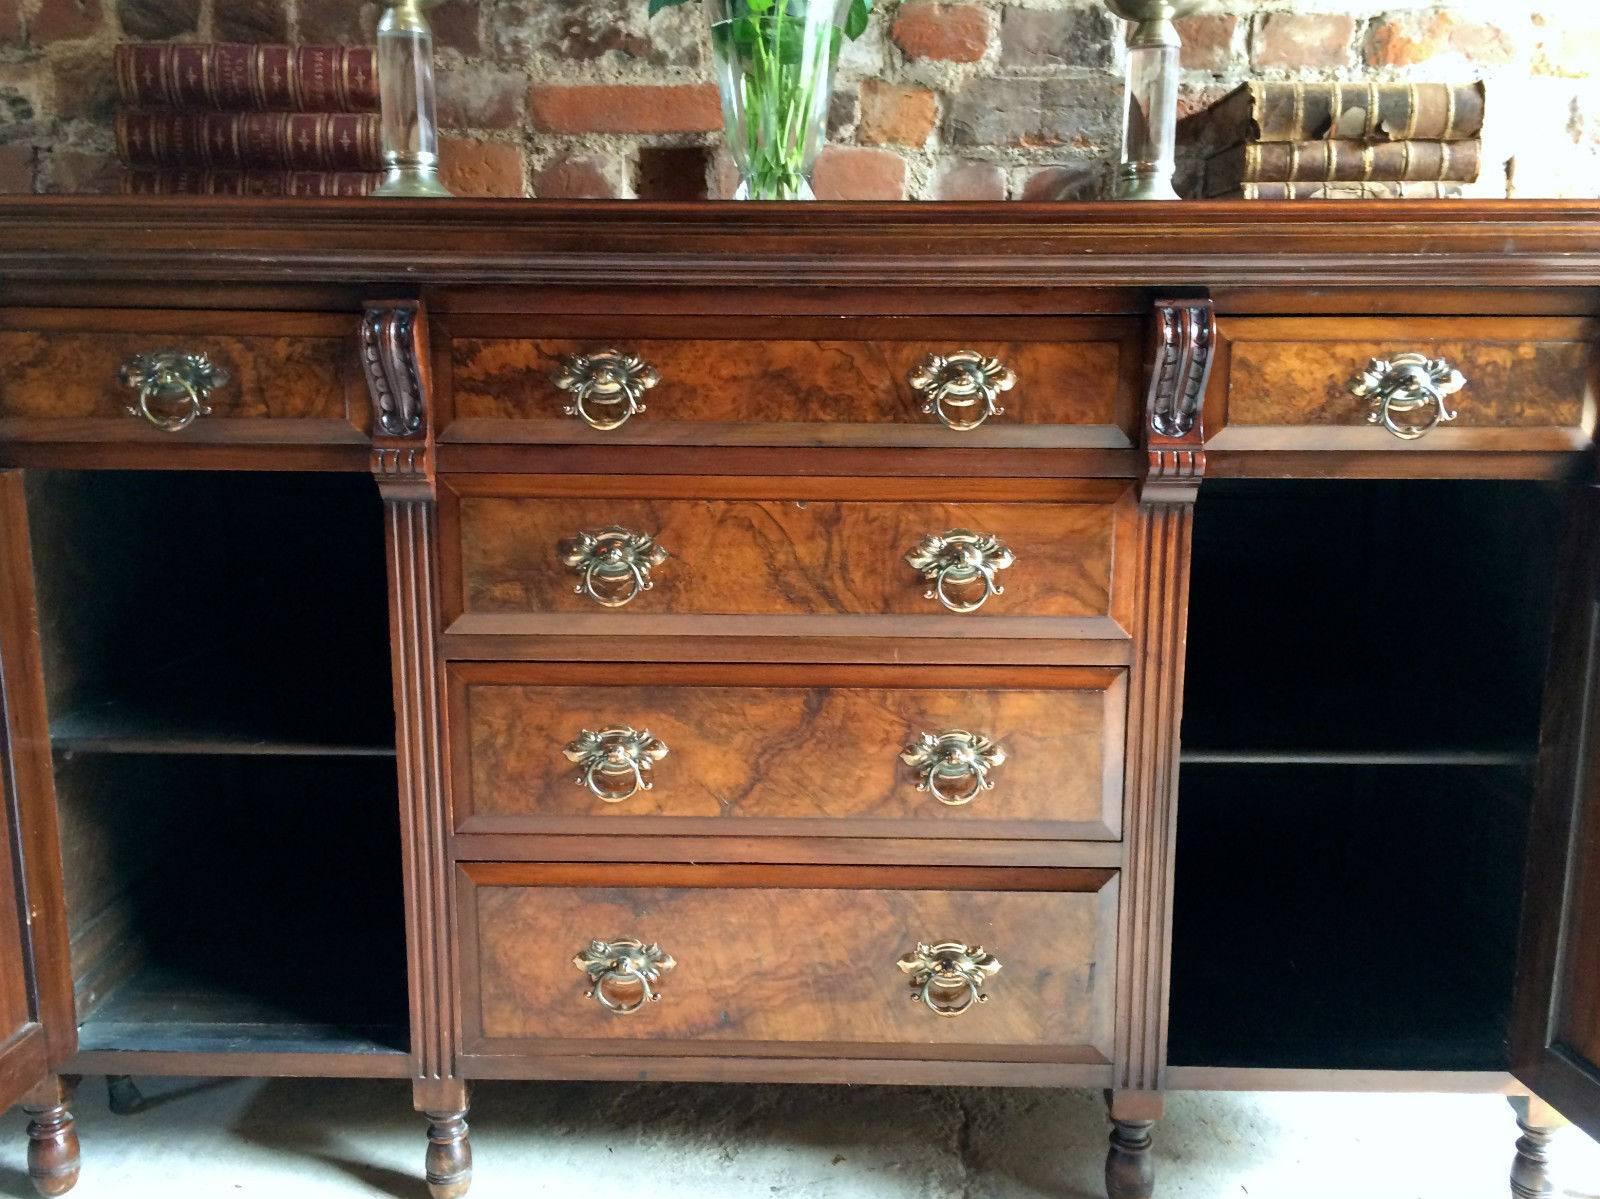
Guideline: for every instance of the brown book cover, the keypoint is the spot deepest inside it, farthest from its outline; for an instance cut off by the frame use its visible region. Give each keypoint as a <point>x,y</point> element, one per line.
<point>1344,191</point>
<point>1366,112</point>
<point>250,183</point>
<point>1343,162</point>
<point>227,76</point>
<point>306,141</point>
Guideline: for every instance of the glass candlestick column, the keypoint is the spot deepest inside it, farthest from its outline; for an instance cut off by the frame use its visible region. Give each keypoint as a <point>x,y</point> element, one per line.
<point>405,90</point>
<point>1150,116</point>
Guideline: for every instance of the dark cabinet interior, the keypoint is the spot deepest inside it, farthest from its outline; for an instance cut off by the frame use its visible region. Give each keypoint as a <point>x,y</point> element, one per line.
<point>217,670</point>
<point>1361,724</point>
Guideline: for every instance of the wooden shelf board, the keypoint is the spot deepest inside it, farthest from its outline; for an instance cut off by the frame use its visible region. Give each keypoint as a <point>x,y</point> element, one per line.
<point>1316,757</point>
<point>118,729</point>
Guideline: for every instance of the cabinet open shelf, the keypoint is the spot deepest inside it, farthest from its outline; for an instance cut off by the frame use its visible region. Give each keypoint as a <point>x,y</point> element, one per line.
<point>1354,789</point>
<point>174,1012</point>
<point>222,720</point>
<point>1346,918</point>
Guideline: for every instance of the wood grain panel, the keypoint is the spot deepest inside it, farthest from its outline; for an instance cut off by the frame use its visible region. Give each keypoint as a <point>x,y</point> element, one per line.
<point>778,557</point>
<point>1521,372</point>
<point>823,381</point>
<point>63,367</point>
<point>796,749</point>
<point>788,966</point>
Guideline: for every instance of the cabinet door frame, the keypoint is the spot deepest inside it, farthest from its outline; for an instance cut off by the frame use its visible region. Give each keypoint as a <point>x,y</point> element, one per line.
<point>1563,863</point>
<point>33,924</point>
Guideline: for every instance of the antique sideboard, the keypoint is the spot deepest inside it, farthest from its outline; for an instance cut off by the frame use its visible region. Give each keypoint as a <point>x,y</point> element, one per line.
<point>476,640</point>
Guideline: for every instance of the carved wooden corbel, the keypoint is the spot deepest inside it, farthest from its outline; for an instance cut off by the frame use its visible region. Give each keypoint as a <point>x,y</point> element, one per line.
<point>394,357</point>
<point>1183,343</point>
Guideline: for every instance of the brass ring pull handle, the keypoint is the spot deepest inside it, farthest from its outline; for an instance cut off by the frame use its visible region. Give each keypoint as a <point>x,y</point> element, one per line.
<point>613,565</point>
<point>173,387</point>
<point>948,978</point>
<point>623,973</point>
<point>961,388</point>
<point>1407,384</point>
<point>615,763</point>
<point>958,759</point>
<point>958,558</point>
<point>607,386</point>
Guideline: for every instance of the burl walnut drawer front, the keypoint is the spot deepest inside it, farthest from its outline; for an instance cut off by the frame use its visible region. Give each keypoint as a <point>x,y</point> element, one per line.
<point>243,377</point>
<point>1514,383</point>
<point>836,751</point>
<point>602,554</point>
<point>794,381</point>
<point>788,960</point>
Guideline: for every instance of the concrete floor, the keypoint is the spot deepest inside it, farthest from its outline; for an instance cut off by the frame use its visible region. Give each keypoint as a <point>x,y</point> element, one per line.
<point>332,1140</point>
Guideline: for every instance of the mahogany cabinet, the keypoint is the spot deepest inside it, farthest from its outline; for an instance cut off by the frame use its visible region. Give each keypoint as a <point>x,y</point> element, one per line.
<point>1115,646</point>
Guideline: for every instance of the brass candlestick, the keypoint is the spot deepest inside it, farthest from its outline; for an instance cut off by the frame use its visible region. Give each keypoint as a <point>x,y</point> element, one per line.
<point>1150,116</point>
<point>405,88</point>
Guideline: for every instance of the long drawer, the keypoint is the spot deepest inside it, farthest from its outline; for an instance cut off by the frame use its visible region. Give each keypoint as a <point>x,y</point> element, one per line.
<point>791,381</point>
<point>881,962</point>
<point>1364,383</point>
<point>958,752</point>
<point>619,549</point>
<point>201,377</point>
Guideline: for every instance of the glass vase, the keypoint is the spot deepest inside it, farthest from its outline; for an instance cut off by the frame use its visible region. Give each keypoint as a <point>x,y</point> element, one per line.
<point>774,62</point>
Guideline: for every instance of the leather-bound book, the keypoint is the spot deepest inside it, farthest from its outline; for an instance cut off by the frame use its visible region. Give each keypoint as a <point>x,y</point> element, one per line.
<point>1343,162</point>
<point>1343,191</point>
<point>285,140</point>
<point>1364,112</point>
<point>228,76</point>
<point>173,182</point>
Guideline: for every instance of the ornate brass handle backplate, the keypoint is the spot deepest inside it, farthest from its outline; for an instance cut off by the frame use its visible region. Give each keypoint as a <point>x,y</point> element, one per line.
<point>613,565</point>
<point>1405,385</point>
<point>961,388</point>
<point>607,386</point>
<point>173,387</point>
<point>959,760</point>
<point>948,978</point>
<point>623,974</point>
<point>615,763</point>
<point>957,559</point>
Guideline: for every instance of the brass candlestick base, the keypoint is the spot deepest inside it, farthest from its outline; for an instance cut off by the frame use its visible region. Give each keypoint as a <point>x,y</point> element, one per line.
<point>1150,116</point>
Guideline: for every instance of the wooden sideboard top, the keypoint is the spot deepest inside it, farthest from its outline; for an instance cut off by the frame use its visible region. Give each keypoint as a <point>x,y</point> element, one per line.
<point>401,243</point>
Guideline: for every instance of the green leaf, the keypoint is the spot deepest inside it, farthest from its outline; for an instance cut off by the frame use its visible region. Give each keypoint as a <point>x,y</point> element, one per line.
<point>657,5</point>
<point>855,23</point>
<point>758,6</point>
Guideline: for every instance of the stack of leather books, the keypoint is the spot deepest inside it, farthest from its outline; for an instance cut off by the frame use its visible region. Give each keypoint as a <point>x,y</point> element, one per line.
<point>1333,141</point>
<point>248,120</point>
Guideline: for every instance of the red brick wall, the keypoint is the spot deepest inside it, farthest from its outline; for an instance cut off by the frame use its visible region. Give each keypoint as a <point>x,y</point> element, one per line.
<point>972,99</point>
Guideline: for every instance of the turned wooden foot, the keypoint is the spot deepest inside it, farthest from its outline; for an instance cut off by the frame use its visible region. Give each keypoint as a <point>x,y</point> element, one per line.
<point>122,1095</point>
<point>449,1161</point>
<point>1530,1172</point>
<point>1130,1169</point>
<point>52,1140</point>
<point>1130,1166</point>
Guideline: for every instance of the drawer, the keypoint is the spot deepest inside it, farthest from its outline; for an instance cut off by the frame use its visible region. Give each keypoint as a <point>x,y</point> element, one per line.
<point>788,750</point>
<point>793,380</point>
<point>602,553</point>
<point>787,960</point>
<point>273,377</point>
<point>1521,383</point>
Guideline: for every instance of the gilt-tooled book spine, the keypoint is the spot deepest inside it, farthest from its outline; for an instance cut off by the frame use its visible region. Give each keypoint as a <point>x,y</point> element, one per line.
<point>250,183</point>
<point>286,140</point>
<point>1344,191</point>
<point>1365,112</point>
<point>227,76</point>
<point>1344,162</point>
